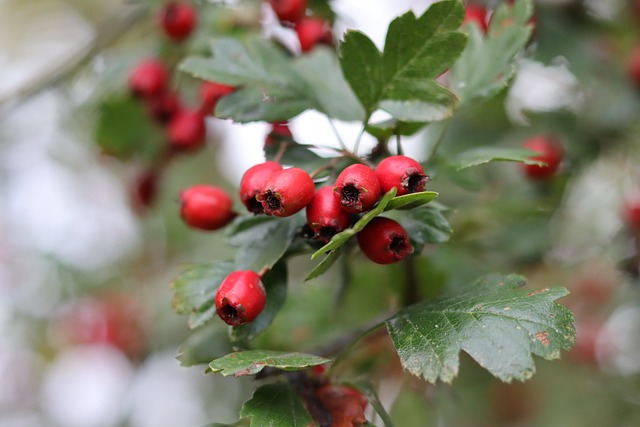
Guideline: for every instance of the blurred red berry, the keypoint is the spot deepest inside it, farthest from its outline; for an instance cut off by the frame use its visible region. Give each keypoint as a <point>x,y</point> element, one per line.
<point>289,10</point>
<point>357,188</point>
<point>210,93</point>
<point>279,132</point>
<point>476,13</point>
<point>187,130</point>
<point>164,107</point>
<point>178,19</point>
<point>253,181</point>
<point>312,31</point>
<point>148,79</point>
<point>631,213</point>
<point>550,151</point>
<point>286,192</point>
<point>240,298</point>
<point>206,207</point>
<point>633,67</point>
<point>384,241</point>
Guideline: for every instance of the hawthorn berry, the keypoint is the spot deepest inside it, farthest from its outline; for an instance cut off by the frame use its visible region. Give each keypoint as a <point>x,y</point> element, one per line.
<point>210,93</point>
<point>550,151</point>
<point>206,207</point>
<point>187,130</point>
<point>253,180</point>
<point>403,173</point>
<point>631,213</point>
<point>384,241</point>
<point>633,67</point>
<point>178,19</point>
<point>345,404</point>
<point>148,79</point>
<point>325,216</point>
<point>164,107</point>
<point>145,188</point>
<point>286,192</point>
<point>289,10</point>
<point>476,13</point>
<point>279,132</point>
<point>312,31</point>
<point>240,298</point>
<point>357,188</point>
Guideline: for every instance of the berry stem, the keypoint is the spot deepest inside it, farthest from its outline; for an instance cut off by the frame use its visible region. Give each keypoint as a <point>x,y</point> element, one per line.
<point>337,134</point>
<point>356,146</point>
<point>328,166</point>
<point>281,149</point>
<point>264,271</point>
<point>399,145</point>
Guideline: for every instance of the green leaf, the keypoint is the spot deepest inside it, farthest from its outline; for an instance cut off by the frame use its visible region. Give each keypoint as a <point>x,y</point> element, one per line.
<point>424,225</point>
<point>497,324</point>
<point>325,264</point>
<point>124,128</point>
<point>194,290</point>
<point>274,86</point>
<point>388,128</point>
<point>261,240</point>
<point>481,155</point>
<point>487,64</point>
<point>251,362</point>
<point>203,345</point>
<point>276,405</point>
<point>275,283</point>
<point>410,201</point>
<point>341,238</point>
<point>400,80</point>
<point>368,390</point>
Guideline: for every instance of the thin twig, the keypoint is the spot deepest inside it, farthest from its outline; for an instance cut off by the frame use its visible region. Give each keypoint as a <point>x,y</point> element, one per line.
<point>337,134</point>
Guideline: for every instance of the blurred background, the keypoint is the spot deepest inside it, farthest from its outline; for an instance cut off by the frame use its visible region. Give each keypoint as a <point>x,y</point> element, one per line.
<point>89,243</point>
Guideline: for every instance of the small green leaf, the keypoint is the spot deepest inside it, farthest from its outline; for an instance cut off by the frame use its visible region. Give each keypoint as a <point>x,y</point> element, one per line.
<point>497,324</point>
<point>410,201</point>
<point>362,65</point>
<point>275,283</point>
<point>325,264</point>
<point>253,361</point>
<point>481,155</point>
<point>341,238</point>
<point>261,240</point>
<point>194,290</point>
<point>276,405</point>
<point>487,63</point>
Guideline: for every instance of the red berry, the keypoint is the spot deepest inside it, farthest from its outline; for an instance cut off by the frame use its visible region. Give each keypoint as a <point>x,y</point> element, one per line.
<point>148,79</point>
<point>403,173</point>
<point>206,207</point>
<point>286,192</point>
<point>631,213</point>
<point>289,10</point>
<point>384,241</point>
<point>345,404</point>
<point>312,31</point>
<point>280,132</point>
<point>178,19</point>
<point>633,67</point>
<point>164,107</point>
<point>551,153</point>
<point>187,130</point>
<point>357,188</point>
<point>254,180</point>
<point>325,216</point>
<point>240,297</point>
<point>210,93</point>
<point>476,13</point>
<point>145,188</point>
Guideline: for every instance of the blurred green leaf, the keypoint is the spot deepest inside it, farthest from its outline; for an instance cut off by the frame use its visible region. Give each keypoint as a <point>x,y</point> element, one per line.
<point>203,345</point>
<point>369,391</point>
<point>497,324</point>
<point>481,155</point>
<point>276,405</point>
<point>424,225</point>
<point>487,63</point>
<point>275,283</point>
<point>298,155</point>
<point>195,288</point>
<point>400,80</point>
<point>251,362</point>
<point>124,128</point>
<point>391,127</point>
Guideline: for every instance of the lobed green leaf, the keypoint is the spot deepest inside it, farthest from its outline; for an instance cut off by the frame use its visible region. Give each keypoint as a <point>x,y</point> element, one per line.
<point>276,405</point>
<point>251,362</point>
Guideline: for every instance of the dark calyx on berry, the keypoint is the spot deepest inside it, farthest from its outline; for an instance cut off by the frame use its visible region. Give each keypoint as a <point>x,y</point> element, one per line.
<point>415,182</point>
<point>273,201</point>
<point>350,196</point>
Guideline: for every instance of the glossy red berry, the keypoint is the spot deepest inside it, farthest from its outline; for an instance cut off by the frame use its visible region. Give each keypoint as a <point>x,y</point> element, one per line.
<point>240,297</point>
<point>403,173</point>
<point>312,31</point>
<point>279,132</point>
<point>289,10</point>
<point>253,181</point>
<point>551,153</point>
<point>210,93</point>
<point>187,130</point>
<point>178,19</point>
<point>476,13</point>
<point>164,107</point>
<point>286,192</point>
<point>325,216</point>
<point>384,241</point>
<point>357,188</point>
<point>633,67</point>
<point>345,404</point>
<point>206,207</point>
<point>148,79</point>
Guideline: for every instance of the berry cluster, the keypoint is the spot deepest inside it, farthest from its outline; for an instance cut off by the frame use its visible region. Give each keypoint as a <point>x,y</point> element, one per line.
<point>311,30</point>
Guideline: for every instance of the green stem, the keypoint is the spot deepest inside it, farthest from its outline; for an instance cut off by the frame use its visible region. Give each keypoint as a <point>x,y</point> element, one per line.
<point>337,134</point>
